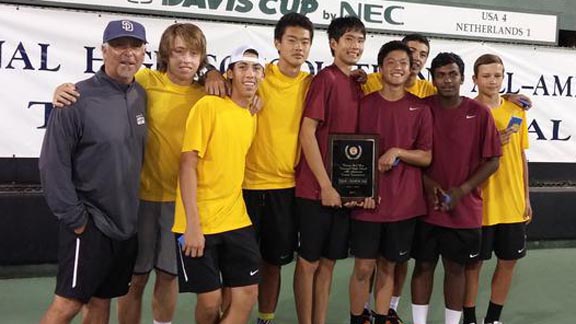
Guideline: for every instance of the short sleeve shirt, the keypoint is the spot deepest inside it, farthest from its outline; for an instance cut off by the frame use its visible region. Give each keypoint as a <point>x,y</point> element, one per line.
<point>332,100</point>
<point>168,107</point>
<point>509,178</point>
<point>406,124</point>
<point>271,160</point>
<point>221,132</point>
<point>463,138</point>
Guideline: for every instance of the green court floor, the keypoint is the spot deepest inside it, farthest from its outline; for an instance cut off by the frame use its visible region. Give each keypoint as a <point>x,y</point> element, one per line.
<point>544,291</point>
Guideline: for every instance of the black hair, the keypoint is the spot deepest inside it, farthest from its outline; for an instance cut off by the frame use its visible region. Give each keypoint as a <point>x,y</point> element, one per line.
<point>393,46</point>
<point>443,59</point>
<point>342,25</point>
<point>416,38</point>
<point>292,19</point>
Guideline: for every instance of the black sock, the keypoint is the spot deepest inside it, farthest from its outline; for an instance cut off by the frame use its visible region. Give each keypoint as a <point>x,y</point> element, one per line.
<point>493,313</point>
<point>469,315</point>
<point>380,319</point>
<point>356,319</point>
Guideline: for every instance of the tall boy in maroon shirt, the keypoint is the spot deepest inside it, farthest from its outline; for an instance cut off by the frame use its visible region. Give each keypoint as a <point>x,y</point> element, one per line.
<point>383,235</point>
<point>466,149</point>
<point>331,107</point>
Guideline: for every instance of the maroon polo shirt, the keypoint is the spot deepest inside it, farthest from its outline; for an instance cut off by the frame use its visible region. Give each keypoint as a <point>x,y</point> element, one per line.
<point>333,99</point>
<point>406,124</point>
<point>463,138</point>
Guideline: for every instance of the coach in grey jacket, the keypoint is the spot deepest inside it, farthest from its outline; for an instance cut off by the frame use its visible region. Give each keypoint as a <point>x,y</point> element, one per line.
<point>90,169</point>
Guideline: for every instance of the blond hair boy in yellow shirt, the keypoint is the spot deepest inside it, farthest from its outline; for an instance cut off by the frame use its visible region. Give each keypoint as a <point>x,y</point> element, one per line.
<point>506,207</point>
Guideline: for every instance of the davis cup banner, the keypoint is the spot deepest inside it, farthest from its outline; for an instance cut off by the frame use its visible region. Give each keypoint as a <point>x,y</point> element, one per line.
<point>377,15</point>
<point>42,48</point>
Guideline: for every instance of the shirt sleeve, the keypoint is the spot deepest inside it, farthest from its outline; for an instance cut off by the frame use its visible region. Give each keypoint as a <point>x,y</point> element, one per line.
<point>199,127</point>
<point>56,166</point>
<point>425,137</point>
<point>492,146</point>
<point>317,99</point>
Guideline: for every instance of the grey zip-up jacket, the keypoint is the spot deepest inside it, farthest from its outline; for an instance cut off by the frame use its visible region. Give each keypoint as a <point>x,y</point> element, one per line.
<point>92,155</point>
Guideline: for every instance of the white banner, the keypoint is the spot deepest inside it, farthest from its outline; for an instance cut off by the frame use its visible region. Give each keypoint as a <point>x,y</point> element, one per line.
<point>42,48</point>
<point>378,15</point>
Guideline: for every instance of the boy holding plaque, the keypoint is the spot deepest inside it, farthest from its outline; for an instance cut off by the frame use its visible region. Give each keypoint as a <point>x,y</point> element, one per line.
<point>504,215</point>
<point>331,106</point>
<point>466,149</point>
<point>383,236</point>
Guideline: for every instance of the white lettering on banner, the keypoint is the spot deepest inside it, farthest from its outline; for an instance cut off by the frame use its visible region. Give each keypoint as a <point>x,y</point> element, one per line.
<point>377,15</point>
<point>38,51</point>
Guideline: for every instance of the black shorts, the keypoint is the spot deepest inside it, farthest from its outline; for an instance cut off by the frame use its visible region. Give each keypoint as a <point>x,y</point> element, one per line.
<point>508,241</point>
<point>458,245</point>
<point>231,259</point>
<point>393,240</point>
<point>275,223</point>
<point>324,231</point>
<point>93,265</point>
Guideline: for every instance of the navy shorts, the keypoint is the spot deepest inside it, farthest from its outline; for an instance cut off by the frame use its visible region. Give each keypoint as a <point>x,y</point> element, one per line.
<point>508,241</point>
<point>458,245</point>
<point>393,240</point>
<point>324,231</point>
<point>231,259</point>
<point>93,265</point>
<point>273,216</point>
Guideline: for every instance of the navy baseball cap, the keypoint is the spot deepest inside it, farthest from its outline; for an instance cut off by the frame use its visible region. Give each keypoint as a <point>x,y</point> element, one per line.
<point>124,28</point>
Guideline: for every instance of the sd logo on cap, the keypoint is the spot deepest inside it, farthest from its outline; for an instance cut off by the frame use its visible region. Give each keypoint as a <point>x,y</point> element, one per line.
<point>124,28</point>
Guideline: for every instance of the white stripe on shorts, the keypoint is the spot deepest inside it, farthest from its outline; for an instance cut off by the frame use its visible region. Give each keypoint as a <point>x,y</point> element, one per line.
<point>182,262</point>
<point>76,255</point>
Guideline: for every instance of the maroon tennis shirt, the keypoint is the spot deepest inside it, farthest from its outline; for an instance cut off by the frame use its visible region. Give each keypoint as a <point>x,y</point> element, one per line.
<point>333,99</point>
<point>463,138</point>
<point>406,124</point>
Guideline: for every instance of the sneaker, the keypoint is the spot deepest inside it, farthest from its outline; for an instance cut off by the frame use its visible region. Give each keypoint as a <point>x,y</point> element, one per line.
<point>366,316</point>
<point>393,317</point>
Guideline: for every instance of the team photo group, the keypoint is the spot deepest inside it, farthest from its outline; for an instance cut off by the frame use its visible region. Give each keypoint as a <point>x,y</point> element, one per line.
<point>215,180</point>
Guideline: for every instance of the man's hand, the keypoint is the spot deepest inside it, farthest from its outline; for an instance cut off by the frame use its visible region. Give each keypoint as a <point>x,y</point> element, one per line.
<point>359,76</point>
<point>505,135</point>
<point>65,95</point>
<point>520,100</point>
<point>387,160</point>
<point>194,242</point>
<point>433,190</point>
<point>367,203</point>
<point>215,84</point>
<point>256,105</point>
<point>454,194</point>
<point>330,197</point>
<point>80,230</point>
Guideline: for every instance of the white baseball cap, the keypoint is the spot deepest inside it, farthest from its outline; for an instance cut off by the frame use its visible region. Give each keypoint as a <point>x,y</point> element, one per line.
<point>239,54</point>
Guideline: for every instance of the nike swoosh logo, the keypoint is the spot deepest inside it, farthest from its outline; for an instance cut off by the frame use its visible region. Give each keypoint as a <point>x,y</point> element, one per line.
<point>252,273</point>
<point>414,108</point>
<point>522,250</point>
<point>470,116</point>
<point>472,256</point>
<point>403,253</point>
